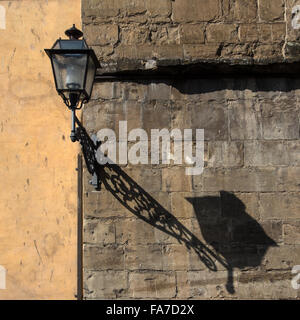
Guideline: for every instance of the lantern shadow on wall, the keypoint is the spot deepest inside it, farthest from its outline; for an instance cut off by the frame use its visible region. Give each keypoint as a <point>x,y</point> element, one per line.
<point>232,238</point>
<point>235,241</point>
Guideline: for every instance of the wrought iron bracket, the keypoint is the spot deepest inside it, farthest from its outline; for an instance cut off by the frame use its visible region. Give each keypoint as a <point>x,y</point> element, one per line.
<point>89,146</point>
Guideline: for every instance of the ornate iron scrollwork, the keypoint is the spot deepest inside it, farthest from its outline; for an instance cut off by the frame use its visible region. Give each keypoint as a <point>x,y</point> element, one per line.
<point>89,146</point>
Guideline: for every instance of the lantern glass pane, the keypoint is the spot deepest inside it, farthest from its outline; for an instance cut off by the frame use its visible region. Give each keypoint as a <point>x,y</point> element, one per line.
<point>70,44</point>
<point>90,76</point>
<point>69,70</point>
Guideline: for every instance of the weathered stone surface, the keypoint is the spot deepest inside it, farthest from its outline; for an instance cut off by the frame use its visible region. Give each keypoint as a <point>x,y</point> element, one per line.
<point>245,180</point>
<point>272,153</point>
<point>156,114</point>
<point>192,33</point>
<point>225,154</point>
<point>288,181</point>
<point>279,205</point>
<point>193,51</point>
<point>147,178</point>
<point>152,285</point>
<point>99,231</point>
<point>245,120</point>
<point>211,117</point>
<point>175,257</point>
<point>105,284</point>
<point>202,285</point>
<point>264,33</point>
<point>271,10</point>
<point>143,257</point>
<point>281,257</point>
<point>106,91</point>
<point>291,232</point>
<point>273,285</point>
<point>246,201</point>
<point>158,8</point>
<point>110,257</point>
<point>159,91</point>
<point>217,33</point>
<point>175,179</point>
<point>179,236</point>
<point>134,232</point>
<point>103,205</point>
<point>192,10</point>
<point>188,30</point>
<point>245,10</point>
<point>280,123</point>
<point>101,34</point>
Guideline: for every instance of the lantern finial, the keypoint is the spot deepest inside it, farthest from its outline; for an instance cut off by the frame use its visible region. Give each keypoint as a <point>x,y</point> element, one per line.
<point>73,33</point>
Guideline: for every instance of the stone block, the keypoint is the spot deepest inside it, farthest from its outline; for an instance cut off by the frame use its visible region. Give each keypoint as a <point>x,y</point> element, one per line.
<point>134,91</point>
<point>245,120</point>
<point>289,179</point>
<point>105,91</point>
<point>134,232</point>
<point>101,34</point>
<point>203,285</point>
<point>105,284</point>
<point>264,33</point>
<point>200,51</point>
<point>221,33</point>
<point>195,10</point>
<point>155,115</point>
<point>268,52</point>
<point>168,52</point>
<point>134,36</point>
<point>175,257</point>
<point>245,10</point>
<point>269,153</point>
<point>166,36</point>
<point>175,179</point>
<point>225,154</point>
<point>266,153</point>
<point>103,205</point>
<point>102,10</point>
<point>279,124</point>
<point>265,285</point>
<point>143,257</point>
<point>152,285</point>
<point>284,206</point>
<point>109,257</point>
<point>147,178</point>
<point>192,33</point>
<point>271,10</point>
<point>236,179</point>
<point>283,257</point>
<point>291,232</point>
<point>157,8</point>
<point>158,91</point>
<point>99,231</point>
<point>212,117</point>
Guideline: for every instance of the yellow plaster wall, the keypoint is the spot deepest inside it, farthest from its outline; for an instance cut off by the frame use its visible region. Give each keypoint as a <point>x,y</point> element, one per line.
<point>38,180</point>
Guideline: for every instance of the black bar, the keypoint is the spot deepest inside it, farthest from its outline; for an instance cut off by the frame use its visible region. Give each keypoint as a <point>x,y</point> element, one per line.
<point>79,230</point>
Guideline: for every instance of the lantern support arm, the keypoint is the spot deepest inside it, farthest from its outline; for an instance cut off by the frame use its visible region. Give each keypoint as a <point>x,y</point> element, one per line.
<point>89,146</point>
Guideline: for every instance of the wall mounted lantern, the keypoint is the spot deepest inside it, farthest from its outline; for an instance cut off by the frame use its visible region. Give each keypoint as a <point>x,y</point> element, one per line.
<point>74,67</point>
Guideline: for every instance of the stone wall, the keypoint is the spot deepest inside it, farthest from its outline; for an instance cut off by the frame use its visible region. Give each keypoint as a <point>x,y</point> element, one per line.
<point>233,231</point>
<point>126,34</point>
